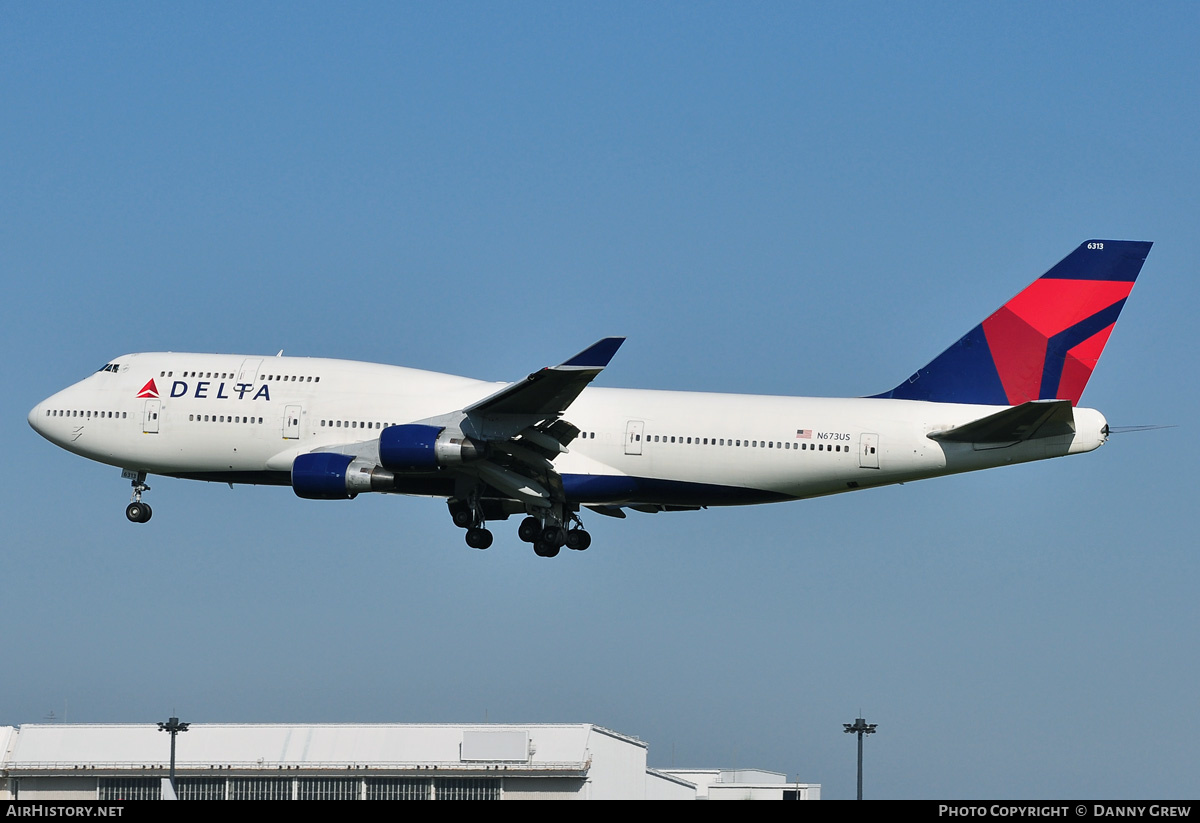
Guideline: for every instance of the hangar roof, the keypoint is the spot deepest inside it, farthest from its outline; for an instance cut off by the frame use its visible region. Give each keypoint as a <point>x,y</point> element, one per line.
<point>309,746</point>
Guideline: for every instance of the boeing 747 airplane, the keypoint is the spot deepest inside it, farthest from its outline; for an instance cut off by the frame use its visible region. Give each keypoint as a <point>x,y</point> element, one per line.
<point>548,446</point>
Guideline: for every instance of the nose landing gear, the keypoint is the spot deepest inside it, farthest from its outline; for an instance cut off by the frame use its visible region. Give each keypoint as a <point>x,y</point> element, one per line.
<point>137,511</point>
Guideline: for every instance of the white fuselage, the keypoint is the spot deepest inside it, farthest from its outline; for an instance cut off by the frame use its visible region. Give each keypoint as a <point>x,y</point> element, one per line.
<point>245,419</point>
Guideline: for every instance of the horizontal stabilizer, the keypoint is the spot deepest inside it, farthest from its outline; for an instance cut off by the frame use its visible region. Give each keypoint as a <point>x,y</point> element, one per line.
<point>1028,421</point>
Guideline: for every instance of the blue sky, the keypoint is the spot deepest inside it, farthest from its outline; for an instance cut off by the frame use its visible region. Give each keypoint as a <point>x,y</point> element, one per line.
<point>766,198</point>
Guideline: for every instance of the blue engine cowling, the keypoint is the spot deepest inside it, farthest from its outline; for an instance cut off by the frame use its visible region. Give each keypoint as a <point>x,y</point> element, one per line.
<point>415,447</point>
<point>329,476</point>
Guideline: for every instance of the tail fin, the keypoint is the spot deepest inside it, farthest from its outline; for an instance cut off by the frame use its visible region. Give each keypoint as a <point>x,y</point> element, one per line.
<point>1044,343</point>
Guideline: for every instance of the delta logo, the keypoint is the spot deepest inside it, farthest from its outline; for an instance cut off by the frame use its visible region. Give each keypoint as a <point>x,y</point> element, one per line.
<point>203,389</point>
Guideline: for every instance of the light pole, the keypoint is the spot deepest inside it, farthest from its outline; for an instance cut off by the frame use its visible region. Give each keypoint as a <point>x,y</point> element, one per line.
<point>173,727</point>
<point>861,727</point>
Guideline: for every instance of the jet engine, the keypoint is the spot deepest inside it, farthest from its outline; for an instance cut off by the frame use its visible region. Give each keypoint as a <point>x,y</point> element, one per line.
<point>330,476</point>
<point>418,448</point>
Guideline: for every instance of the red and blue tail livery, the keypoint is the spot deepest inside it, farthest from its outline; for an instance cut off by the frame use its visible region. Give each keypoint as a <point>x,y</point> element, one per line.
<point>1044,343</point>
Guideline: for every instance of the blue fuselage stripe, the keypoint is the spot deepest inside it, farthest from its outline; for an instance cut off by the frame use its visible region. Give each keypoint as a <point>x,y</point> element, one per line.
<point>579,488</point>
<point>603,488</point>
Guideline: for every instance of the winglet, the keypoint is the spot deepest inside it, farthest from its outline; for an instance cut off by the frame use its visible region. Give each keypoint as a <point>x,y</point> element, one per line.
<point>595,356</point>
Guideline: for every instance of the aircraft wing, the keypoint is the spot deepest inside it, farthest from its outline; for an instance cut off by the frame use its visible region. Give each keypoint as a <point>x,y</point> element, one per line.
<point>522,427</point>
<point>508,440</point>
<point>1028,421</point>
<point>548,392</point>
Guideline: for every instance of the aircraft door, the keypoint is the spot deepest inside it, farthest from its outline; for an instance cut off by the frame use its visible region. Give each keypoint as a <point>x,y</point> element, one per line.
<point>248,373</point>
<point>150,417</point>
<point>291,423</point>
<point>868,451</point>
<point>633,436</point>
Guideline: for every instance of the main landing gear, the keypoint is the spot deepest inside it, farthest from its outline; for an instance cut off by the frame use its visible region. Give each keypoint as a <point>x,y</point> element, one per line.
<point>549,531</point>
<point>478,537</point>
<point>548,538</point>
<point>137,511</point>
<point>468,514</point>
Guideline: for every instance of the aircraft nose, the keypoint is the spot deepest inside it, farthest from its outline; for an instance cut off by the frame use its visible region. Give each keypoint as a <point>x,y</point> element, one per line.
<point>36,415</point>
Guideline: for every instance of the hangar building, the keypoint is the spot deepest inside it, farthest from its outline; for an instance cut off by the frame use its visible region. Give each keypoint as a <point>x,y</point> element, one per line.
<point>219,761</point>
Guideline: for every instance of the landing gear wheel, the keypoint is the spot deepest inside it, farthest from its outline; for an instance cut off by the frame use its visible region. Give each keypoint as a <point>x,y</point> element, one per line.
<point>554,536</point>
<point>578,540</point>
<point>479,538</point>
<point>544,549</point>
<point>530,530</point>
<point>138,512</point>
<point>463,518</point>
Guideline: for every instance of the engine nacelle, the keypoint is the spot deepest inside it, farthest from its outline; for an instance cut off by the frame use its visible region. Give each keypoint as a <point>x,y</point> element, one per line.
<point>418,448</point>
<point>329,476</point>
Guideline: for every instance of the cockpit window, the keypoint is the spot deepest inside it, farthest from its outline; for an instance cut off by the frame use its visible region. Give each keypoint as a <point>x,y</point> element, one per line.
<point>112,367</point>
